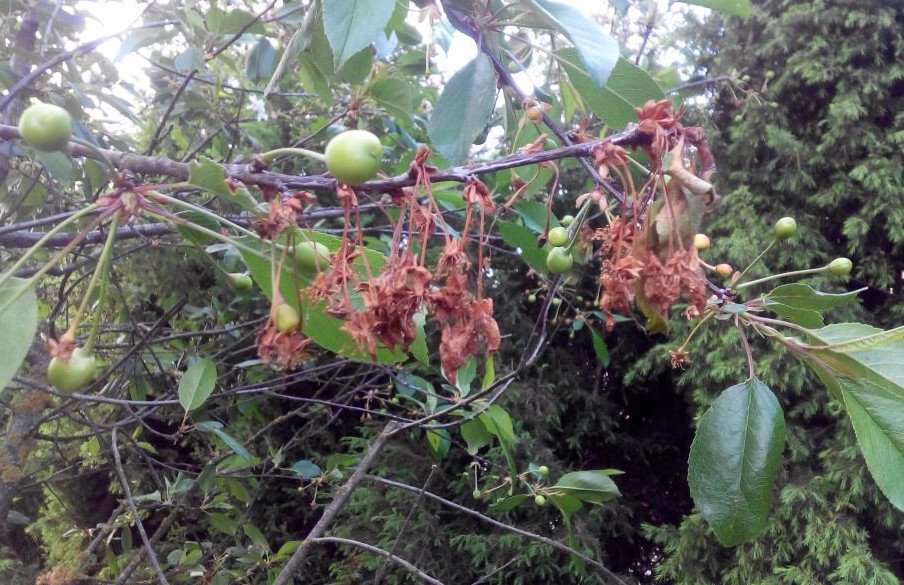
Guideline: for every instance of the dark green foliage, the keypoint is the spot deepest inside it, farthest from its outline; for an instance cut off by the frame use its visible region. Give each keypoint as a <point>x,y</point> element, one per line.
<point>816,140</point>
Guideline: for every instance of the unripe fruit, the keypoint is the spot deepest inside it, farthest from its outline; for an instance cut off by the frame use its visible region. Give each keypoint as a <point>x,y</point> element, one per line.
<point>531,298</point>
<point>840,267</point>
<point>738,119</point>
<point>784,228</point>
<point>769,74</point>
<point>558,236</point>
<point>240,282</point>
<point>72,374</point>
<point>45,126</point>
<point>567,220</point>
<point>477,495</point>
<point>724,269</point>
<point>543,471</point>
<point>556,301</point>
<point>558,261</point>
<point>701,241</point>
<point>354,156</point>
<point>312,256</point>
<point>535,114</point>
<point>286,318</point>
<point>539,500</point>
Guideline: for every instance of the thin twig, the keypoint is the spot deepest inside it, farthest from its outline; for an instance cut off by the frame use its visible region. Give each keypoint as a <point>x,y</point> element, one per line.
<point>127,492</point>
<point>410,567</point>
<point>329,514</point>
<point>547,541</point>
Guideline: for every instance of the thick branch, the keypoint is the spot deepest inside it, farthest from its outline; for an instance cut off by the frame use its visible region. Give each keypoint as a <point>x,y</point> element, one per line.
<point>135,163</point>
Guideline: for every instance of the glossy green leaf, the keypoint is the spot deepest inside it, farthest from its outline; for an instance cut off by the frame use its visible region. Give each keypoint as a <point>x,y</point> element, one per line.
<point>197,384</point>
<point>289,547</point>
<point>803,317</point>
<point>463,109</point>
<point>439,442</point>
<point>509,503</point>
<point>465,375</point>
<point>230,22</point>
<point>216,428</point>
<point>600,348</point>
<point>599,51</point>
<point>306,469</point>
<point>324,329</point>
<point>476,436</point>
<point>535,215</point>
<point>195,236</point>
<point>254,533</point>
<point>395,96</point>
<point>261,61</point>
<point>734,460</point>
<point>592,486</point>
<point>870,381</point>
<point>19,323</point>
<point>628,86</point>
<point>522,239</point>
<point>300,40</point>
<point>801,296</point>
<point>351,25</point>
<point>736,7</point>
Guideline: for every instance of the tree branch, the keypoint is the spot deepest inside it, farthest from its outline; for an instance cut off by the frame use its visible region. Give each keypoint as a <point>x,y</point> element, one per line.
<point>408,566</point>
<point>630,138</point>
<point>342,494</point>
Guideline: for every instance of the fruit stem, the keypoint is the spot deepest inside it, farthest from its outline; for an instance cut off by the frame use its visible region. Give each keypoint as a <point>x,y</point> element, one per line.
<point>268,156</point>
<point>202,211</point>
<point>575,228</point>
<point>30,282</point>
<point>99,271</point>
<point>782,275</point>
<point>758,258</point>
<point>40,243</point>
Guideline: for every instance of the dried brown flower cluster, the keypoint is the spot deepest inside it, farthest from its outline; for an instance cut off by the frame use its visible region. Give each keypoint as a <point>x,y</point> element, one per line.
<point>648,259</point>
<point>379,304</point>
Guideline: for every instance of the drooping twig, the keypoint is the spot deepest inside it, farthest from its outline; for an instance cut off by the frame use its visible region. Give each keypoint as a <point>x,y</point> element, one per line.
<point>374,549</point>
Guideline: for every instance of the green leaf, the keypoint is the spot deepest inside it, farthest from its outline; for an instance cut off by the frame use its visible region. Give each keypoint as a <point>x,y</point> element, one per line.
<point>351,25</point>
<point>628,86</point>
<point>216,428</point>
<point>256,536</point>
<point>509,503</point>
<point>598,50</point>
<point>463,110</point>
<point>734,460</point>
<point>801,296</point>
<point>306,469</point>
<point>19,323</point>
<point>534,215</point>
<point>476,436</point>
<point>208,175</point>
<point>592,486</point>
<point>197,384</point>
<point>736,7</point>
<point>221,22</point>
<point>300,40</point>
<point>289,547</point>
<point>261,61</point>
<point>465,376</point>
<point>870,381</point>
<point>521,238</point>
<point>439,442</point>
<point>324,329</point>
<point>394,96</point>
<point>195,236</point>
<point>600,348</point>
<point>144,37</point>
<point>803,317</point>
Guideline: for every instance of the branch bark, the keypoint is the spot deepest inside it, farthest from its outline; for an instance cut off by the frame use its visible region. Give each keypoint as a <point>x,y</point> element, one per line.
<point>342,494</point>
